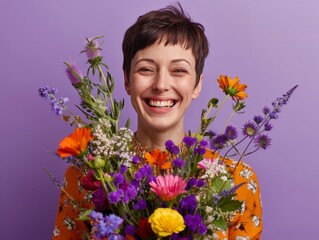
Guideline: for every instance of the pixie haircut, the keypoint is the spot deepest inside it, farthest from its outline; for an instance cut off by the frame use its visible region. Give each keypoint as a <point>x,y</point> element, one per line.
<point>168,24</point>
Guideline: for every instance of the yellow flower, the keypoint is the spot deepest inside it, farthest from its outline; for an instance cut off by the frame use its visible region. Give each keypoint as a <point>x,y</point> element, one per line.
<point>232,87</point>
<point>166,221</point>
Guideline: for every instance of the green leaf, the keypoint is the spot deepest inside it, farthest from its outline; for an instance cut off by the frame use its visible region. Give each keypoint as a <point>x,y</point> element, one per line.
<point>220,223</point>
<point>84,216</point>
<point>230,205</point>
<point>128,123</point>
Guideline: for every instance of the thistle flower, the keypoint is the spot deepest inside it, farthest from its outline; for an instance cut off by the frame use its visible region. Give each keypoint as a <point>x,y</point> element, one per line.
<point>168,187</point>
<point>249,129</point>
<point>262,141</point>
<point>92,49</point>
<point>74,74</point>
<point>232,87</point>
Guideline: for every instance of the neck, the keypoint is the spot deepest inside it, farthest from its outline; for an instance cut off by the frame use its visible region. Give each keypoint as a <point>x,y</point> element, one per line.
<point>154,138</point>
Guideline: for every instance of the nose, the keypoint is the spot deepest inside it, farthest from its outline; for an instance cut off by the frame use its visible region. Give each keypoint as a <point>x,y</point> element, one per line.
<point>161,81</point>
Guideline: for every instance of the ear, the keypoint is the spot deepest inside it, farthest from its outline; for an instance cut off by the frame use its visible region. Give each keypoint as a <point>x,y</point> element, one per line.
<point>127,84</point>
<point>198,88</point>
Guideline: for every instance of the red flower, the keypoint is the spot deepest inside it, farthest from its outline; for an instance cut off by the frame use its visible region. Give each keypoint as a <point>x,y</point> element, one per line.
<point>144,230</point>
<point>89,182</point>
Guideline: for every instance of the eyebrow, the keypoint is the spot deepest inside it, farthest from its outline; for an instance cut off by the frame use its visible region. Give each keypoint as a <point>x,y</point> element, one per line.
<point>173,61</point>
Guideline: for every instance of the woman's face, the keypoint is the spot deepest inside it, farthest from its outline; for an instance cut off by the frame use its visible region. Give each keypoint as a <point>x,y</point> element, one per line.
<point>162,85</point>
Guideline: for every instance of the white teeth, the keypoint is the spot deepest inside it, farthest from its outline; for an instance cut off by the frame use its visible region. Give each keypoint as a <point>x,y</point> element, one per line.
<point>155,103</point>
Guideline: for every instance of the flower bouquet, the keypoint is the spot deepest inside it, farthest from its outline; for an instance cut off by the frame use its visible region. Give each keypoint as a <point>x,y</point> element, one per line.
<point>184,192</point>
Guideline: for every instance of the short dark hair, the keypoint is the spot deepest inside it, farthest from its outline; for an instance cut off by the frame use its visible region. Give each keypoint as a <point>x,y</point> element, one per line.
<point>170,24</point>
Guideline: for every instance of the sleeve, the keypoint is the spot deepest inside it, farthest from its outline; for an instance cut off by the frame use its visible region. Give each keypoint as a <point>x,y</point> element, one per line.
<point>72,201</point>
<point>247,224</point>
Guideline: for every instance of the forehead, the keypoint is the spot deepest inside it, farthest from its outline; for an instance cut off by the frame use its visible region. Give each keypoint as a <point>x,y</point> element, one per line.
<point>160,51</point>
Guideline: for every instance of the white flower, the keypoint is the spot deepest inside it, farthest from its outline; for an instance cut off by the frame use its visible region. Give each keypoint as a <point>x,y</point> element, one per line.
<point>224,178</point>
<point>208,209</point>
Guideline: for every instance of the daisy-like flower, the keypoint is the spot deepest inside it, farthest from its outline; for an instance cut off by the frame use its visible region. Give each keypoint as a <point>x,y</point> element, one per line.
<point>75,144</point>
<point>249,129</point>
<point>159,158</point>
<point>168,187</point>
<point>262,141</point>
<point>232,87</point>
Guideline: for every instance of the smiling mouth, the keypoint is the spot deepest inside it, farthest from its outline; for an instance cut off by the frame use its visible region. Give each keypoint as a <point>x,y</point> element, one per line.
<point>160,104</point>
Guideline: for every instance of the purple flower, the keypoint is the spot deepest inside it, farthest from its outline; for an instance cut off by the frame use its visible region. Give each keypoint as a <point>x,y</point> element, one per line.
<point>114,197</point>
<point>171,147</point>
<point>188,203</point>
<point>262,141</point>
<point>57,105</point>
<point>129,229</point>
<point>74,74</point>
<point>203,143</point>
<point>249,129</point>
<point>195,224</point>
<point>258,119</point>
<point>138,176</point>
<point>211,134</point>
<point>118,179</point>
<point>140,205</point>
<point>192,182</point>
<point>99,199</point>
<point>267,126</point>
<point>189,141</point>
<point>123,168</point>
<point>178,163</point>
<point>92,49</point>
<point>131,191</point>
<point>136,160</point>
<point>200,183</point>
<point>219,142</point>
<point>266,110</point>
<point>201,229</point>
<point>231,132</point>
<point>105,227</point>
<point>199,151</point>
<point>273,115</point>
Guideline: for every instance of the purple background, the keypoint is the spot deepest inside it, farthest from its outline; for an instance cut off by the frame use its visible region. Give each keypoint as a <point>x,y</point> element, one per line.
<point>272,45</point>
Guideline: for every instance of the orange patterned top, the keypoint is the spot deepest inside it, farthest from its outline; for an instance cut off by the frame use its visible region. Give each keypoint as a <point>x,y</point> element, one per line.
<point>246,225</point>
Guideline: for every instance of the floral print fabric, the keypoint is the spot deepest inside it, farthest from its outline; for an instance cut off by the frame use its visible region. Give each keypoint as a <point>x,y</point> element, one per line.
<point>246,225</point>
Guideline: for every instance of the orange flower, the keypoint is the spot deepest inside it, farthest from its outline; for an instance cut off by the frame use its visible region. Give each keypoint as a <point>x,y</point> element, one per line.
<point>157,157</point>
<point>76,143</point>
<point>232,87</point>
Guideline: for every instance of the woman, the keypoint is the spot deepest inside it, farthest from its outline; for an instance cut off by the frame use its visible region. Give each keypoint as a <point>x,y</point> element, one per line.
<point>164,54</point>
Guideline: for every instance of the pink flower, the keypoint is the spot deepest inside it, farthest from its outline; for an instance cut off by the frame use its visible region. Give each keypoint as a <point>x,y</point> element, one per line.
<point>204,163</point>
<point>74,74</point>
<point>168,187</point>
<point>92,49</point>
